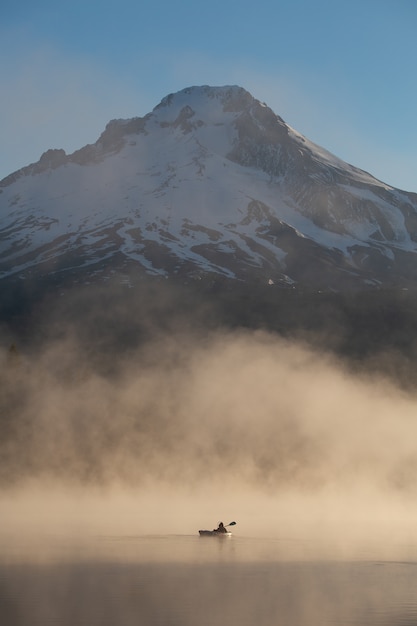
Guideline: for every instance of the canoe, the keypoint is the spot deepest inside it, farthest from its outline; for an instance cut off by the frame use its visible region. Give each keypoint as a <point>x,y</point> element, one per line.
<point>213,533</point>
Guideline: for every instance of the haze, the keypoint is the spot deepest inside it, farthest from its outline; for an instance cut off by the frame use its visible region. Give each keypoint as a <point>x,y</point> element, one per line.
<point>192,427</point>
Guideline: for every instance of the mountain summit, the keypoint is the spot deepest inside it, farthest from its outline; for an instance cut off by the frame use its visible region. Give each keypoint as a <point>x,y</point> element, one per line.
<point>211,183</point>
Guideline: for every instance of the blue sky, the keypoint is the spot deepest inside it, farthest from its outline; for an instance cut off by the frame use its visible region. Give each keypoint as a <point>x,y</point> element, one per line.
<point>341,72</point>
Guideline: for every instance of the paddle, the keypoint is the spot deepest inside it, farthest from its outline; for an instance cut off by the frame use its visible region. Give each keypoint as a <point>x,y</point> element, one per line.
<point>231,524</point>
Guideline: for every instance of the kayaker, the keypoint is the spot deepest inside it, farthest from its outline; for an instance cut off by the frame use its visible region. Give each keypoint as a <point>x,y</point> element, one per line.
<point>220,529</point>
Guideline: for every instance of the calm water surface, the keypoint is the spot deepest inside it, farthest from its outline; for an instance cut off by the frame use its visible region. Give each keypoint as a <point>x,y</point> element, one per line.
<point>193,581</point>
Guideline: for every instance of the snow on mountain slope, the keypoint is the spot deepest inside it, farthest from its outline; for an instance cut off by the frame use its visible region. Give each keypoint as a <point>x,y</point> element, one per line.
<point>211,181</point>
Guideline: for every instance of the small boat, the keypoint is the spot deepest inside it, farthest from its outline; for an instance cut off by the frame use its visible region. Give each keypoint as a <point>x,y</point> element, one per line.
<point>213,533</point>
<point>217,532</point>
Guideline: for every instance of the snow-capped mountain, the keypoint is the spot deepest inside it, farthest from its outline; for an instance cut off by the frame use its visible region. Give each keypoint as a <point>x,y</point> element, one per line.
<point>211,182</point>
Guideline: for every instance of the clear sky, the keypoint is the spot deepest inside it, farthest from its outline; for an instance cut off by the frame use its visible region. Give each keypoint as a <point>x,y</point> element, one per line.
<point>341,72</point>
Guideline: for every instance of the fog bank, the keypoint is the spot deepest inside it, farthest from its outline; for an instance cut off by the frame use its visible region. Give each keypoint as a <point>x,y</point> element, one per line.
<point>187,428</point>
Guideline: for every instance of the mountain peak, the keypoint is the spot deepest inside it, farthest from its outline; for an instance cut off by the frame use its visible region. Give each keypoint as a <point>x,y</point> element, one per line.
<point>205,102</point>
<point>211,182</point>
<point>226,95</point>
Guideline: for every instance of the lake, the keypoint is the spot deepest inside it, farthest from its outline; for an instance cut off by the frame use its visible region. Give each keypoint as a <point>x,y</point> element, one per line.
<point>185,580</point>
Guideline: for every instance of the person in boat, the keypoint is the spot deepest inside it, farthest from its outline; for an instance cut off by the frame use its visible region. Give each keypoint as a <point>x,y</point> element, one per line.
<point>221,528</point>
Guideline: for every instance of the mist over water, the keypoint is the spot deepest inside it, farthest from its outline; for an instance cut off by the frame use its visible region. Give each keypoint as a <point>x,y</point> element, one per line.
<point>114,452</point>
<point>192,427</point>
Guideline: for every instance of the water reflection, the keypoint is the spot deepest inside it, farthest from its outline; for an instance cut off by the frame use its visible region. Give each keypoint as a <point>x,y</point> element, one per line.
<point>189,581</point>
